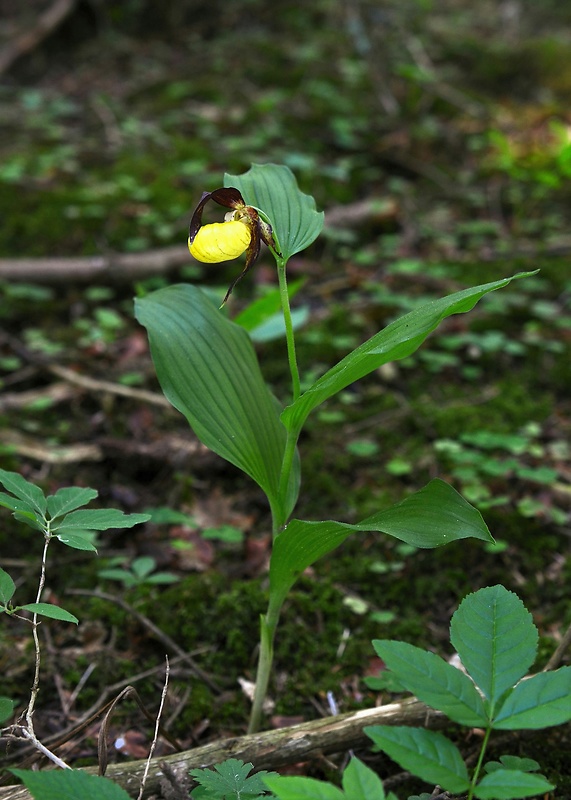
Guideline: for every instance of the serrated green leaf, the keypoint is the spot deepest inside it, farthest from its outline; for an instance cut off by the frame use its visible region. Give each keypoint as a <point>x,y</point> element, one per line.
<point>208,370</point>
<point>432,680</point>
<point>68,499</point>
<point>537,702</point>
<point>69,784</point>
<point>7,587</point>
<point>398,340</point>
<point>229,780</point>
<point>296,788</point>
<point>512,762</point>
<point>508,784</point>
<point>51,611</point>
<point>361,783</point>
<point>496,639</point>
<point>23,490</point>
<point>6,708</point>
<point>273,189</point>
<point>427,754</point>
<point>434,516</point>
<point>99,519</point>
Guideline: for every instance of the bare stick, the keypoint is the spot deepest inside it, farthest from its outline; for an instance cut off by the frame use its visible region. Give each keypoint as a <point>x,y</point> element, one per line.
<point>157,728</point>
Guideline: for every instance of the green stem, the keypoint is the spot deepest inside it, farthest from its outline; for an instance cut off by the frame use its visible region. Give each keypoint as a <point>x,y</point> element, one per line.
<point>268,625</point>
<point>269,622</point>
<point>290,340</point>
<point>478,766</point>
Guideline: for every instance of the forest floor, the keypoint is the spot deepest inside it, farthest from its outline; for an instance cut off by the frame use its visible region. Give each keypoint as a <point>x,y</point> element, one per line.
<point>439,167</point>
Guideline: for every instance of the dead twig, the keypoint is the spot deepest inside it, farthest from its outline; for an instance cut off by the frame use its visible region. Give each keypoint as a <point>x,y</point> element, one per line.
<point>126,267</point>
<point>557,657</point>
<point>32,37</point>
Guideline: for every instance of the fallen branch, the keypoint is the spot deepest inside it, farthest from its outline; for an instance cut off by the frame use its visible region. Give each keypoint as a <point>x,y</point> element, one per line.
<point>125,267</point>
<point>268,750</point>
<point>33,36</point>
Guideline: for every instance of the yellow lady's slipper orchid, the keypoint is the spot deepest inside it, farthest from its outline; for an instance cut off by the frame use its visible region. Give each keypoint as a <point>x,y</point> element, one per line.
<point>242,231</point>
<point>220,241</point>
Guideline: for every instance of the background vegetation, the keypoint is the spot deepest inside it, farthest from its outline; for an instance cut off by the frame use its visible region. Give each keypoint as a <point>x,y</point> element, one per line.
<point>444,128</point>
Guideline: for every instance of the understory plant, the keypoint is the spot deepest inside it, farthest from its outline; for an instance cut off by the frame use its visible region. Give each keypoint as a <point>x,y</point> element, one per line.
<point>57,517</point>
<point>496,640</point>
<point>208,370</point>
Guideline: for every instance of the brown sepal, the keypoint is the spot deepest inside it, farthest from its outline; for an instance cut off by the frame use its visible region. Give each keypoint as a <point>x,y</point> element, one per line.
<point>227,197</point>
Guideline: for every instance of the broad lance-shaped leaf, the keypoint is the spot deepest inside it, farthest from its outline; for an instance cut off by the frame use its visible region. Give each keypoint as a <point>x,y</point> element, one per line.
<point>427,754</point>
<point>432,680</point>
<point>434,516</point>
<point>398,340</point>
<point>537,702</point>
<point>273,189</point>
<point>496,639</point>
<point>208,370</point>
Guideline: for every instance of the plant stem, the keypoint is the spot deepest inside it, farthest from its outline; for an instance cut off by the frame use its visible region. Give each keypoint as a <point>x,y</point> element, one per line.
<point>290,340</point>
<point>269,622</point>
<point>36,682</point>
<point>268,625</point>
<point>478,766</point>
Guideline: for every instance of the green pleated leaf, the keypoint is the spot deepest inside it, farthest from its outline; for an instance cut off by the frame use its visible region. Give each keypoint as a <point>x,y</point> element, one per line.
<point>208,370</point>
<point>398,340</point>
<point>508,784</point>
<point>432,680</point>
<point>434,516</point>
<point>23,490</point>
<point>427,754</point>
<point>538,702</point>
<point>68,784</point>
<point>51,611</point>
<point>68,499</point>
<point>273,189</point>
<point>496,639</point>
<point>98,519</point>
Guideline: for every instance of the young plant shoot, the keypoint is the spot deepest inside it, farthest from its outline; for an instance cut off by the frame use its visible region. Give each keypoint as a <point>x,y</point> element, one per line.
<point>209,371</point>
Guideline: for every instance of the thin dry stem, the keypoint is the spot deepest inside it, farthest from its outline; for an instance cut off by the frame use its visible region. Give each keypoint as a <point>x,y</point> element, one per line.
<point>157,728</point>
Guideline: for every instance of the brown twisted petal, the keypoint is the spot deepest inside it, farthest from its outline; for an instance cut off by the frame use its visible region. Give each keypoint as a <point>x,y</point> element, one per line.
<point>227,197</point>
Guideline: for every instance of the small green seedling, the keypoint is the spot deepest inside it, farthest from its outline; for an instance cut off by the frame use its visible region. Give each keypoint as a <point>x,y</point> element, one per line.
<point>140,572</point>
<point>496,640</point>
<point>58,516</point>
<point>229,781</point>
